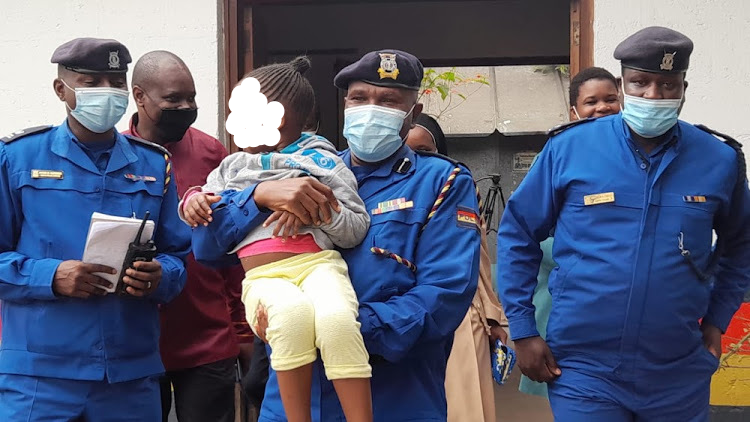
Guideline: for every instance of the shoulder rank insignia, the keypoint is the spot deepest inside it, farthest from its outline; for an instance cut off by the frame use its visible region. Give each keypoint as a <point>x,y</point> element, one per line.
<point>565,126</point>
<point>26,132</point>
<point>735,144</point>
<point>728,139</point>
<point>149,144</point>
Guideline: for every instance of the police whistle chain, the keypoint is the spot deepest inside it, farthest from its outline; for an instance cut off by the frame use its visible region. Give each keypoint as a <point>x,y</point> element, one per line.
<point>137,252</point>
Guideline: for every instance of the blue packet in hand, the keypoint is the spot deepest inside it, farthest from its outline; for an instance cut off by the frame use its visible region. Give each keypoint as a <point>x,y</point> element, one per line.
<point>502,360</point>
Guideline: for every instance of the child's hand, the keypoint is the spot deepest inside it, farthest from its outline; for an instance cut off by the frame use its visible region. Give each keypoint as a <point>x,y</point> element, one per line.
<point>287,224</point>
<point>198,209</point>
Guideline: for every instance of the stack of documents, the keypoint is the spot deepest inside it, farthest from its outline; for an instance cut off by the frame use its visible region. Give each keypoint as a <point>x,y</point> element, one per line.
<point>108,240</point>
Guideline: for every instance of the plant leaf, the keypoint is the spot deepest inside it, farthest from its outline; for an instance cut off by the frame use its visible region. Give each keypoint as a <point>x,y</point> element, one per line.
<point>443,91</point>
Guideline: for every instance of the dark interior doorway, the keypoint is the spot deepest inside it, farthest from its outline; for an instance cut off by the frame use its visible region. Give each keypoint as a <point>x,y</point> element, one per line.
<point>334,33</point>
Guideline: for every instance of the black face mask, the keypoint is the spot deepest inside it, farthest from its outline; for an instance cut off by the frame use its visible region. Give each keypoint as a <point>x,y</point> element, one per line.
<point>174,122</point>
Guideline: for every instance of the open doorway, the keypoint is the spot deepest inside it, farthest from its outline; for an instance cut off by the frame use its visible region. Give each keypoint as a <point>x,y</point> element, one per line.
<point>334,33</point>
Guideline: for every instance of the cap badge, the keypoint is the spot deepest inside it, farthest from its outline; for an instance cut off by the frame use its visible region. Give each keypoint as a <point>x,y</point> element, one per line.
<point>114,59</point>
<point>388,67</point>
<point>667,62</point>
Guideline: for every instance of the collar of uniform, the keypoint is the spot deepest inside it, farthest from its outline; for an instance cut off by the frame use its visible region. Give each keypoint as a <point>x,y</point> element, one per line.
<point>386,170</point>
<point>65,145</point>
<point>388,166</point>
<point>673,135</point>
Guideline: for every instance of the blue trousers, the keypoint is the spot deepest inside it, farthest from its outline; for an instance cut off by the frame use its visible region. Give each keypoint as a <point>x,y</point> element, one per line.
<point>682,396</point>
<point>39,399</point>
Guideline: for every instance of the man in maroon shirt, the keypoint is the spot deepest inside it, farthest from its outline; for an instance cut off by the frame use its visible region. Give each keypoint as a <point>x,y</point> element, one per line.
<point>204,328</point>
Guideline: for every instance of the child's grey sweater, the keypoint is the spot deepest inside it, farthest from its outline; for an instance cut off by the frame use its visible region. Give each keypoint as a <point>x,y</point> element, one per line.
<point>311,155</point>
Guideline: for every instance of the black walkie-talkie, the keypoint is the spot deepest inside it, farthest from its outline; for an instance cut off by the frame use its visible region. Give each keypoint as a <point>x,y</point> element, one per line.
<point>137,251</point>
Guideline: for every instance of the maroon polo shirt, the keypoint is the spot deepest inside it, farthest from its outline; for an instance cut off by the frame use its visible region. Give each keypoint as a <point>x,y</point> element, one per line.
<point>206,322</point>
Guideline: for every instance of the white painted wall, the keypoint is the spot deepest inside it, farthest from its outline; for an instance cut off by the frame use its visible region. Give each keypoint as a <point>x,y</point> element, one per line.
<point>719,75</point>
<point>32,29</point>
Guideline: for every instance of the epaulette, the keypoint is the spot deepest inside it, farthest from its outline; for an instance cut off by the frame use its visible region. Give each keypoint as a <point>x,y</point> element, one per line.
<point>444,157</point>
<point>26,132</point>
<point>735,144</point>
<point>565,126</point>
<point>149,144</point>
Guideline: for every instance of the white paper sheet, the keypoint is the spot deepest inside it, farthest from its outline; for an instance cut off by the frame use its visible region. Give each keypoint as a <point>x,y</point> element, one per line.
<point>108,240</point>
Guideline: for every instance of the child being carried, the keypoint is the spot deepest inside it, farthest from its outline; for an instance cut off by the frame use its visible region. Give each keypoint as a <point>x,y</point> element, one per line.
<point>292,270</point>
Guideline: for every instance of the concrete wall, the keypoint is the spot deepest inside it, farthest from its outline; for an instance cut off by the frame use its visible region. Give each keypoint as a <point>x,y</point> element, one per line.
<point>32,30</point>
<point>719,66</point>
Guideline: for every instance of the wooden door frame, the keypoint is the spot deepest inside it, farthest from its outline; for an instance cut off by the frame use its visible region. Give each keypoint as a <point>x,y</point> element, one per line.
<point>236,15</point>
<point>581,35</point>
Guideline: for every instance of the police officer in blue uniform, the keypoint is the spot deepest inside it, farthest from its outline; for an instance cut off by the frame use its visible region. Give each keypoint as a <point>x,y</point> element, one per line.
<point>416,271</point>
<point>69,351</point>
<point>640,294</point>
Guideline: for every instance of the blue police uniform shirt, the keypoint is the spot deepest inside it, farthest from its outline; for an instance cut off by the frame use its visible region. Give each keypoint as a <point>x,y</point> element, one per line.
<point>408,318</point>
<point>625,301</point>
<point>45,221</point>
<point>99,152</point>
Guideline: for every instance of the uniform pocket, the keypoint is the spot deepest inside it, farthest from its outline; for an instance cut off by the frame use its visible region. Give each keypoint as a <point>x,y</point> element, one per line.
<point>603,222</point>
<point>394,240</point>
<point>692,221</point>
<point>559,275</point>
<point>47,188</point>
<point>136,197</point>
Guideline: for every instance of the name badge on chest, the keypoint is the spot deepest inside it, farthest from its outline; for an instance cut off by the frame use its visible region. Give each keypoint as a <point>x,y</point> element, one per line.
<point>599,198</point>
<point>46,174</point>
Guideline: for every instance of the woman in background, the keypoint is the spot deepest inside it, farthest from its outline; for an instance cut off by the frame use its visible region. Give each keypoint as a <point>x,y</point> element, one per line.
<point>469,387</point>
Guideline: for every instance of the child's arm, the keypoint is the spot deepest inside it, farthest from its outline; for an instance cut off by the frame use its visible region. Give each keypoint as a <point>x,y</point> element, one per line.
<point>195,206</point>
<point>349,227</point>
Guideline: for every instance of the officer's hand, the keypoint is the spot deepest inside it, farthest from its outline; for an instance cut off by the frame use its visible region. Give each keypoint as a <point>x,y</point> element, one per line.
<point>535,359</point>
<point>497,332</point>
<point>712,339</point>
<point>77,279</point>
<point>287,224</point>
<point>143,278</point>
<point>262,324</point>
<point>304,197</point>
<point>197,210</point>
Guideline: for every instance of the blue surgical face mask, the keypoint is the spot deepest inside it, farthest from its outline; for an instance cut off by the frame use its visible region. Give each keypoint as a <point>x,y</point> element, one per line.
<point>99,109</point>
<point>373,132</point>
<point>650,118</point>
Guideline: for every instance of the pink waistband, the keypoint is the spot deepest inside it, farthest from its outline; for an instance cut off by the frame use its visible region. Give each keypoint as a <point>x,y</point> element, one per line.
<point>302,244</point>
